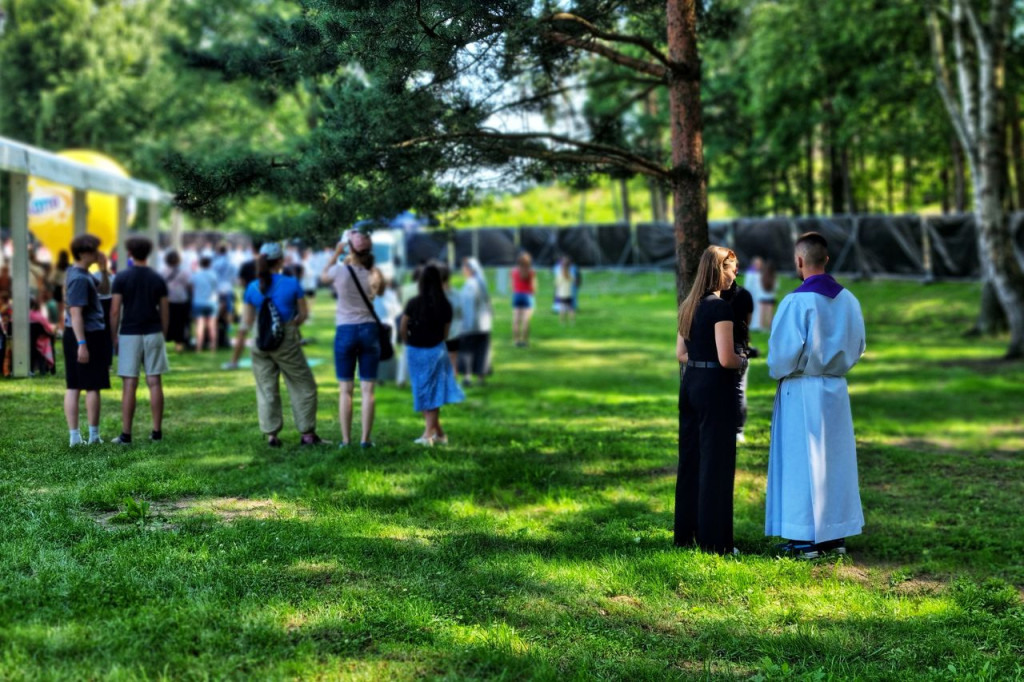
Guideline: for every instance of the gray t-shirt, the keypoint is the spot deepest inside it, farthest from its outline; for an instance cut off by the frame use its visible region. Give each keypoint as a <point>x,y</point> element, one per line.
<point>80,292</point>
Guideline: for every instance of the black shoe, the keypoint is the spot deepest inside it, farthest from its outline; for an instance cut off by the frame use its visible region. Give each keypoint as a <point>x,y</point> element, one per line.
<point>803,549</point>
<point>274,441</point>
<point>313,439</point>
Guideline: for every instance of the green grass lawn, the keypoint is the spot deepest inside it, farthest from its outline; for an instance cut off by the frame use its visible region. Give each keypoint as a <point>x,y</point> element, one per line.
<point>538,545</point>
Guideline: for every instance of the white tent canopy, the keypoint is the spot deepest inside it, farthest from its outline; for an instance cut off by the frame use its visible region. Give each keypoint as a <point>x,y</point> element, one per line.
<point>21,161</point>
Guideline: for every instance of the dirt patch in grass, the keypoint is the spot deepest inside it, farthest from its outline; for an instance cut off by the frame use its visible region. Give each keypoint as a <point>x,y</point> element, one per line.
<point>626,600</point>
<point>881,576</point>
<point>167,514</point>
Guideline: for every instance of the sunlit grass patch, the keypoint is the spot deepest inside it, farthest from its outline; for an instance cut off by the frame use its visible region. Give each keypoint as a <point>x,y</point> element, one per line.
<point>538,545</point>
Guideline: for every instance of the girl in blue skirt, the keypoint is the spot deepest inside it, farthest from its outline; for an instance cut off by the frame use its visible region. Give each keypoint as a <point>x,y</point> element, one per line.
<point>424,328</point>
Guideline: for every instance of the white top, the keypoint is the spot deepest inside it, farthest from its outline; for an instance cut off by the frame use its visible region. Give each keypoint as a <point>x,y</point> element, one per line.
<point>812,491</point>
<point>351,308</point>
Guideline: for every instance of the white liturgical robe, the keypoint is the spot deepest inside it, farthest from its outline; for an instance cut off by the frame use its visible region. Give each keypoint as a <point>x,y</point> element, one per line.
<point>817,336</point>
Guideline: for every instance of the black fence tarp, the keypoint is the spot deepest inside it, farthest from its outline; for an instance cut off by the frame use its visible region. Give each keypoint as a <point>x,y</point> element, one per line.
<point>903,245</point>
<point>954,246</point>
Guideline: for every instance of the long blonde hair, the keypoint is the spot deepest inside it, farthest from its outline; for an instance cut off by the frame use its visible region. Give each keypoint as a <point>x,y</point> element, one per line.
<point>710,277</point>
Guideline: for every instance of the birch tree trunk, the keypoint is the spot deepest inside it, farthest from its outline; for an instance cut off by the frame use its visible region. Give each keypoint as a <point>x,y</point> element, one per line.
<point>979,52</point>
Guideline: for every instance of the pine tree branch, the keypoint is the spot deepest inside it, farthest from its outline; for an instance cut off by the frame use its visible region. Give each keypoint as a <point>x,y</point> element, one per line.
<point>593,30</point>
<point>552,156</point>
<point>569,88</point>
<point>610,54</point>
<point>609,153</point>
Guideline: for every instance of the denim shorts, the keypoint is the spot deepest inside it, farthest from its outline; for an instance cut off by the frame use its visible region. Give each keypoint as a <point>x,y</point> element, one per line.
<point>203,310</point>
<point>356,342</point>
<point>522,300</point>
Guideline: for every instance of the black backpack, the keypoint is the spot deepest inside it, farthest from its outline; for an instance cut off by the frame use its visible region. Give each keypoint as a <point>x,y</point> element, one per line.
<point>269,327</point>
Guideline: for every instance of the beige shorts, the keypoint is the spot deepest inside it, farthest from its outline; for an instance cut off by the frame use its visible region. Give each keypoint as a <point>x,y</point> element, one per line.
<point>147,351</point>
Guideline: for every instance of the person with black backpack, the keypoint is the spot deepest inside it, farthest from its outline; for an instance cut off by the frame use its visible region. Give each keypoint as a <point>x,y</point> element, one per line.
<point>275,305</point>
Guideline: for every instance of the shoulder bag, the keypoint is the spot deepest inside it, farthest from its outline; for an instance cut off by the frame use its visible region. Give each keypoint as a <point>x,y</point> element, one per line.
<point>387,351</point>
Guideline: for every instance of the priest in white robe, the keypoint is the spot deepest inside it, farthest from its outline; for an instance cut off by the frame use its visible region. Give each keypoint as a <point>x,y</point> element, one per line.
<point>817,336</point>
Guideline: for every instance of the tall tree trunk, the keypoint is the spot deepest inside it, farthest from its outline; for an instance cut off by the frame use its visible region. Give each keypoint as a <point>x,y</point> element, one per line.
<point>944,181</point>
<point>890,199</point>
<point>849,200</point>
<point>627,212</point>
<point>689,183</point>
<point>774,185</point>
<point>1016,146</point>
<point>835,177</point>
<point>908,182</point>
<point>977,117</point>
<point>959,176</point>
<point>809,170</point>
<point>659,209</point>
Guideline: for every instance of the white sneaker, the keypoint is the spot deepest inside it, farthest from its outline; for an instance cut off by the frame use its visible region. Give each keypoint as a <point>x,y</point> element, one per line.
<point>95,440</point>
<point>740,438</point>
<point>424,440</point>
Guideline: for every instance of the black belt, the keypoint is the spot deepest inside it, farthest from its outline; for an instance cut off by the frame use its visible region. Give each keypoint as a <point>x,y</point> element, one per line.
<point>699,364</point>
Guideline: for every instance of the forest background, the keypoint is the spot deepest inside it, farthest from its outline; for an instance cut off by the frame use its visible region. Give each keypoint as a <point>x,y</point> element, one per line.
<point>296,118</point>
<point>809,108</point>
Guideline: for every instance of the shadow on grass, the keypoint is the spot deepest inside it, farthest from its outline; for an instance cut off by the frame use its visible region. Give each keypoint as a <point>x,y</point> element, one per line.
<point>472,603</point>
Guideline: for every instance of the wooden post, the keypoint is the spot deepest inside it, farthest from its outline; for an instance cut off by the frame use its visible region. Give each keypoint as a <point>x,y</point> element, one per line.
<point>80,210</point>
<point>177,222</point>
<point>122,233</point>
<point>21,353</point>
<point>153,225</point>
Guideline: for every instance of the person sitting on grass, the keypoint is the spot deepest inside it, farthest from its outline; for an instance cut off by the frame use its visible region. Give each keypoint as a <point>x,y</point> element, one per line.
<point>87,347</point>
<point>139,318</point>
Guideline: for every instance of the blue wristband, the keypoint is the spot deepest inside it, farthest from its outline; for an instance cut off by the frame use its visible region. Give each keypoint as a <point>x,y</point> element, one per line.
<point>81,343</point>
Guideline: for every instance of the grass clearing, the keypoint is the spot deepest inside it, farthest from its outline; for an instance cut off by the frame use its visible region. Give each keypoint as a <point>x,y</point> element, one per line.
<point>537,545</point>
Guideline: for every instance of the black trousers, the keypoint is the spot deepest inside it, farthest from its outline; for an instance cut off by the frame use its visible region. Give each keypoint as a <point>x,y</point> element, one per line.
<point>473,352</point>
<point>707,459</point>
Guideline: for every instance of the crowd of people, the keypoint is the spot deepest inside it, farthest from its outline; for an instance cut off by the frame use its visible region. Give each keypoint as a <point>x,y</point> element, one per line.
<point>817,336</point>
<point>136,313</point>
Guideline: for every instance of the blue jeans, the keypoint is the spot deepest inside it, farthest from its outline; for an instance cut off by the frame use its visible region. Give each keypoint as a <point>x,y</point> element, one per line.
<point>356,342</point>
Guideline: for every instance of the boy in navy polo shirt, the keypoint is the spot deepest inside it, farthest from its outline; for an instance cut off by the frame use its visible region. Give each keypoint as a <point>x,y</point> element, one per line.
<point>87,347</point>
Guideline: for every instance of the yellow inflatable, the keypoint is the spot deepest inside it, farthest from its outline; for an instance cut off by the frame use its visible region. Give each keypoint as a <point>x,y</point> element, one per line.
<point>50,207</point>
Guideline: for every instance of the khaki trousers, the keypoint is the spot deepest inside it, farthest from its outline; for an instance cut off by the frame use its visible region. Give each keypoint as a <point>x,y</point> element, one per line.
<point>267,366</point>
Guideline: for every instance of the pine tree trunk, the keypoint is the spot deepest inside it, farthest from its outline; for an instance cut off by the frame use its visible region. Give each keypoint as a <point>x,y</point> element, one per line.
<point>689,183</point>
<point>848,197</point>
<point>835,178</point>
<point>890,199</point>
<point>627,213</point>
<point>809,178</point>
<point>908,181</point>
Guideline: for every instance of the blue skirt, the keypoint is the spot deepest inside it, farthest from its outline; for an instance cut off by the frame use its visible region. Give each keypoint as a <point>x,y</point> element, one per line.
<point>432,378</point>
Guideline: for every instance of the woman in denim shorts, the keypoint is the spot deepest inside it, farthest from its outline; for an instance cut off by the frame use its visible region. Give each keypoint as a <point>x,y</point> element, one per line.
<point>356,340</point>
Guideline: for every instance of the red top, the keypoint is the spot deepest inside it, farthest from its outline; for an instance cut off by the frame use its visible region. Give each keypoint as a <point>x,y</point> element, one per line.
<point>520,284</point>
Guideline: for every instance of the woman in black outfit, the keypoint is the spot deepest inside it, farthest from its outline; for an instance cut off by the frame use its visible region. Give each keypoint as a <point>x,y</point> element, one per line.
<point>707,408</point>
